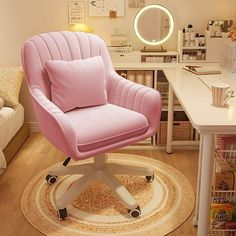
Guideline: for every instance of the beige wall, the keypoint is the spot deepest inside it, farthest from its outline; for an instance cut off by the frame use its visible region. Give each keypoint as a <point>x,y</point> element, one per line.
<point>19,19</point>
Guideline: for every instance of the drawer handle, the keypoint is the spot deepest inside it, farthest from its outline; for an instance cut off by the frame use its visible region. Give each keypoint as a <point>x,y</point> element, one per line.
<point>176,124</point>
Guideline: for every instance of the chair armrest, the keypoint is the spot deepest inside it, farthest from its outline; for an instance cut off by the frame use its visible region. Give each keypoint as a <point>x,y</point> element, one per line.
<point>136,97</point>
<point>54,124</point>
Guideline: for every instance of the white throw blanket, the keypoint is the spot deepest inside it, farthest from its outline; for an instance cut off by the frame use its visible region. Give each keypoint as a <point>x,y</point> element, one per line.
<point>3,163</point>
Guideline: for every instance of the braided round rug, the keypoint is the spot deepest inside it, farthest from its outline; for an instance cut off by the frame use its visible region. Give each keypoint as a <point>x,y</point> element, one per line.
<point>166,203</point>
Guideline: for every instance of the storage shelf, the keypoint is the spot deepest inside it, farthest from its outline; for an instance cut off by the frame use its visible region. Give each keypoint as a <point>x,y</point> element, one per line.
<point>227,156</point>
<point>222,232</point>
<point>225,160</point>
<point>191,61</point>
<point>229,196</point>
<point>186,52</point>
<point>199,47</point>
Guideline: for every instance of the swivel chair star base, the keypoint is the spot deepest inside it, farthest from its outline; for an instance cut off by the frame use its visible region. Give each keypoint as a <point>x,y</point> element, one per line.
<point>102,170</point>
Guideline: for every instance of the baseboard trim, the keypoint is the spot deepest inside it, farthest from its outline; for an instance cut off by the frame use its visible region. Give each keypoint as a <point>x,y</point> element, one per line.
<point>33,126</point>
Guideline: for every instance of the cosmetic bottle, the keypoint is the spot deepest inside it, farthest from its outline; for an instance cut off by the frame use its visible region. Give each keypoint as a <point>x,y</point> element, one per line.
<point>186,37</point>
<point>197,40</point>
<point>191,36</point>
<point>202,40</point>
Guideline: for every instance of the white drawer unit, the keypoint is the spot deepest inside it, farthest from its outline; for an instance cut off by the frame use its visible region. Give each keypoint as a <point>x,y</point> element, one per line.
<point>150,57</point>
<point>126,57</point>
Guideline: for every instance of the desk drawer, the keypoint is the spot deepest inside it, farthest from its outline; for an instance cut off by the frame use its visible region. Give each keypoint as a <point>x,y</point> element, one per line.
<point>125,57</point>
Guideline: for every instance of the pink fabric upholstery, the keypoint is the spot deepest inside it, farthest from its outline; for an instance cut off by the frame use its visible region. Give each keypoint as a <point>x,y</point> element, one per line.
<point>72,81</point>
<point>62,129</point>
<point>105,125</point>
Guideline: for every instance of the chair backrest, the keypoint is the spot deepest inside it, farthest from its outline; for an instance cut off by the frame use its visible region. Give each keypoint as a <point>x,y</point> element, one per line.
<point>63,45</point>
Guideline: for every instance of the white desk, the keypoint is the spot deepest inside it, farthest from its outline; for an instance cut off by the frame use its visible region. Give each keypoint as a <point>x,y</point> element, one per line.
<point>195,98</point>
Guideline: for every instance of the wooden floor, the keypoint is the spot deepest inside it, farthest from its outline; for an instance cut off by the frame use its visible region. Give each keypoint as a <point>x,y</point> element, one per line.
<point>37,154</point>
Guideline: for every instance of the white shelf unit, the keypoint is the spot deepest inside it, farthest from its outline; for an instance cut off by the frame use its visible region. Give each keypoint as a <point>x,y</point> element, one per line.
<point>222,158</point>
<point>211,50</point>
<point>190,54</point>
<point>137,71</point>
<point>149,57</point>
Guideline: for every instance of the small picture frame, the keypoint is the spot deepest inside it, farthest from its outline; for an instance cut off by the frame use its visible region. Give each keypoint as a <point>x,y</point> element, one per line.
<point>217,27</point>
<point>76,12</point>
<point>136,3</point>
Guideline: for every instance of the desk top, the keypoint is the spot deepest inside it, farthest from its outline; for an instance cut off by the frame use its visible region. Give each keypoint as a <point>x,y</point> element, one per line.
<point>194,94</point>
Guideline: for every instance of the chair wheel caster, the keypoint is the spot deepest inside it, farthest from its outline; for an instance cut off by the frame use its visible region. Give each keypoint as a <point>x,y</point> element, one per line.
<point>51,179</point>
<point>150,178</point>
<point>62,214</point>
<point>135,212</point>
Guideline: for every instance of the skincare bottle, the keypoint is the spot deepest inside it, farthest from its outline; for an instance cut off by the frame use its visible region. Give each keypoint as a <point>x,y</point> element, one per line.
<point>202,40</point>
<point>197,40</point>
<point>191,35</point>
<point>186,37</point>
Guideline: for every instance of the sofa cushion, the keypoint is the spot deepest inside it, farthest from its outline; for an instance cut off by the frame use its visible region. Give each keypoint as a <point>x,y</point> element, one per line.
<point>104,125</point>
<point>10,83</point>
<point>77,83</point>
<point>11,121</point>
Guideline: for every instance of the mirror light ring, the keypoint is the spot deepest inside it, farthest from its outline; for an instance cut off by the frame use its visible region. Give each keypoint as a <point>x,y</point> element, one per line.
<point>140,13</point>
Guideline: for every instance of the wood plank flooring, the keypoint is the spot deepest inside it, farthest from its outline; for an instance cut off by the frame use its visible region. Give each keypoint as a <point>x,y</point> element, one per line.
<point>37,154</point>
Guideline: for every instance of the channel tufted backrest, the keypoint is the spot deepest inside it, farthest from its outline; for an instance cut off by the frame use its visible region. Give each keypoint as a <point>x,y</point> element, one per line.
<point>63,45</point>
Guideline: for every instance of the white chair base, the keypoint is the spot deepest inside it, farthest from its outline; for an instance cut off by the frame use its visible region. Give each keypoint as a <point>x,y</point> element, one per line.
<point>100,169</point>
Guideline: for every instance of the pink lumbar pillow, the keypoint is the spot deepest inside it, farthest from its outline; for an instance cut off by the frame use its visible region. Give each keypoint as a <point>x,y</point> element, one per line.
<point>77,83</point>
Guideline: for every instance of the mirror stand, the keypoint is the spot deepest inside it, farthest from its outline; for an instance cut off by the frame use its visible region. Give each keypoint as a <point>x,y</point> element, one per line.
<point>145,49</point>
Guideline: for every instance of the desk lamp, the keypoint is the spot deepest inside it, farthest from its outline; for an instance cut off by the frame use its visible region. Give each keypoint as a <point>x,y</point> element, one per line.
<point>81,27</point>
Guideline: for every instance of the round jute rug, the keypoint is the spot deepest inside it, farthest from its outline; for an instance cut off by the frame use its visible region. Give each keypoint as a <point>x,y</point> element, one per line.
<point>166,203</point>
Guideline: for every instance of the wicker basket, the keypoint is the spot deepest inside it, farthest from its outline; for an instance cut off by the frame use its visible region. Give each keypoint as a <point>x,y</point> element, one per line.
<point>182,130</point>
<point>163,88</point>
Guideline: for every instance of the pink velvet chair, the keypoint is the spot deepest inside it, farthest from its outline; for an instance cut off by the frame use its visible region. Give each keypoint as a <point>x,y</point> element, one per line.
<point>131,114</point>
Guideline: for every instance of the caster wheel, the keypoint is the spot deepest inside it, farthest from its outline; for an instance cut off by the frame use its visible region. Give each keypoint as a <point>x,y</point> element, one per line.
<point>150,178</point>
<point>135,212</point>
<point>62,214</point>
<point>51,179</point>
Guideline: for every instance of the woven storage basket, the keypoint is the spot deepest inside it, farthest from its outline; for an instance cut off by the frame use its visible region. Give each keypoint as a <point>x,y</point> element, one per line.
<point>182,130</point>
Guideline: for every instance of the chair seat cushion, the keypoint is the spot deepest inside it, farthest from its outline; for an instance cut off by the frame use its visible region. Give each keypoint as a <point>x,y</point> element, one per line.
<point>104,125</point>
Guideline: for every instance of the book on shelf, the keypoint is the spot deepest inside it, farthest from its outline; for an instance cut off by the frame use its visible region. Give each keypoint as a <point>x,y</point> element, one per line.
<point>202,70</point>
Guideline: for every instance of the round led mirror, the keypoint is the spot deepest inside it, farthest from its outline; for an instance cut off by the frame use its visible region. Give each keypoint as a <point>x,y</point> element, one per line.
<point>153,24</point>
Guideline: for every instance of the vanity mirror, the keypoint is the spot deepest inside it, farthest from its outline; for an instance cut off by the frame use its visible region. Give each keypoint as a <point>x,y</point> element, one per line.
<point>153,25</point>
